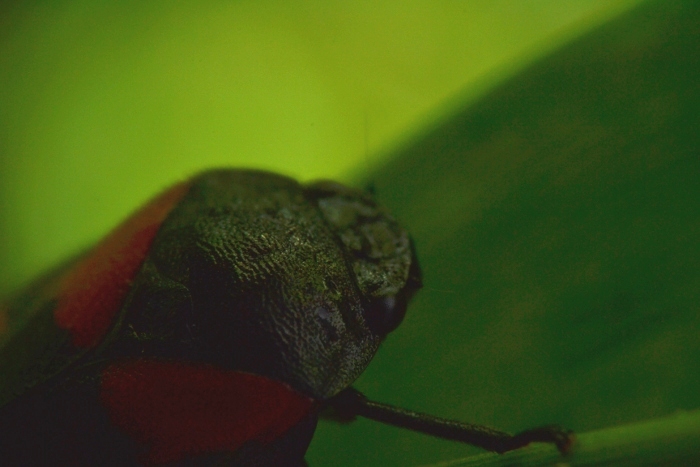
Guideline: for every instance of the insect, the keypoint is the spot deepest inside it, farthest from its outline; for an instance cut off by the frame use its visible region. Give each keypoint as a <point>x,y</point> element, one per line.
<point>212,327</point>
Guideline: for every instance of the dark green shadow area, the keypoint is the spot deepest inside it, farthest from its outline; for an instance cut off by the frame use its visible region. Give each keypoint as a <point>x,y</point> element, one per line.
<point>557,221</point>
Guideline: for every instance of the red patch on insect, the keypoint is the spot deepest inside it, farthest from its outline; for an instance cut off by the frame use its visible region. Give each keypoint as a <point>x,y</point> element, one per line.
<point>183,409</point>
<point>90,294</point>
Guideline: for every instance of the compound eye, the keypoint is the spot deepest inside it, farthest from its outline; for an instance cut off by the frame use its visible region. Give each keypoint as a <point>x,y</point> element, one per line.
<point>384,314</point>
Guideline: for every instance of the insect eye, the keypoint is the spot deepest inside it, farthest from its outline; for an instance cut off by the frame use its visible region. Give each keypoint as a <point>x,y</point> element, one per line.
<point>384,314</point>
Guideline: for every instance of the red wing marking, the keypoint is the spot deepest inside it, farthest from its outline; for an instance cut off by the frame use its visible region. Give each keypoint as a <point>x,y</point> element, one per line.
<point>90,294</point>
<point>184,409</point>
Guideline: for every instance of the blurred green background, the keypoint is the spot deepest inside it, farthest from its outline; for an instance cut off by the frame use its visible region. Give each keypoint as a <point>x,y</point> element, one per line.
<point>103,104</point>
<point>544,154</point>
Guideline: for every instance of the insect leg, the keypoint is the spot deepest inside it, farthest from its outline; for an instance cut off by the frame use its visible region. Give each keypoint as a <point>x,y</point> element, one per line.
<point>350,403</point>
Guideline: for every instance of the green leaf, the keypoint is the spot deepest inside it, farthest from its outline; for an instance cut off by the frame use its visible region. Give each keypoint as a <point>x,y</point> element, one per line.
<point>557,220</point>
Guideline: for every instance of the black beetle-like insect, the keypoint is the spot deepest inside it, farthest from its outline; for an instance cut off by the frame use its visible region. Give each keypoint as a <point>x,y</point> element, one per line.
<point>211,328</point>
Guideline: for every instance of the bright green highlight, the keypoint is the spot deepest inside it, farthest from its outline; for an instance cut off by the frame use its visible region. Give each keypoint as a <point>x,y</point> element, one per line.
<point>102,104</point>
